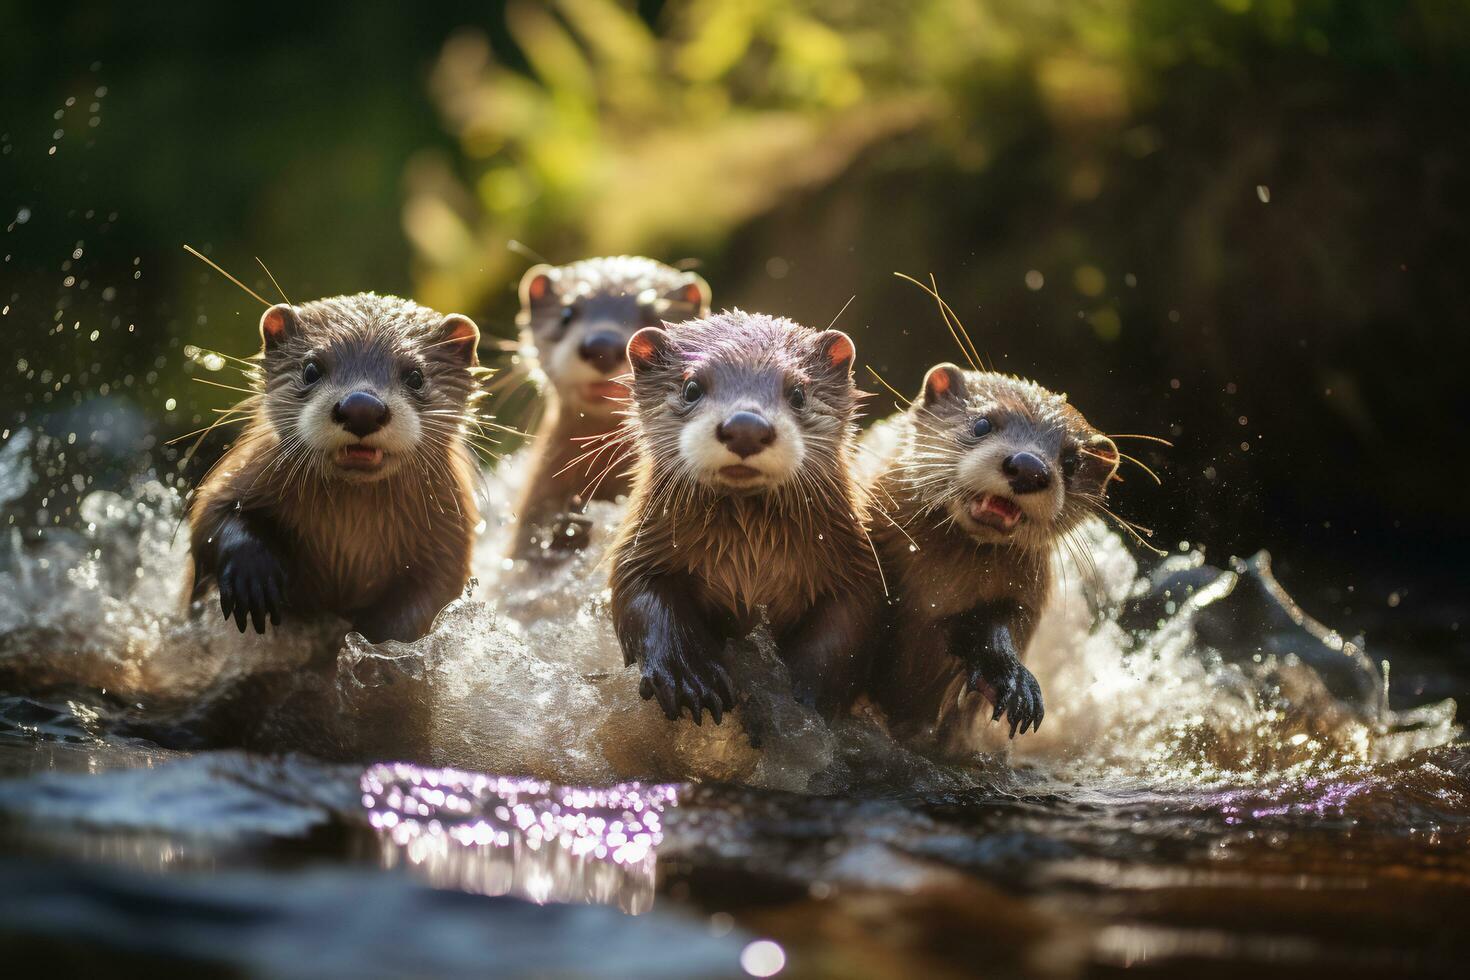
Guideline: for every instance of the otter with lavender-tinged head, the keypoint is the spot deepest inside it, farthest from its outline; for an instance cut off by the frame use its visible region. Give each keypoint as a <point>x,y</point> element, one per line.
<point>579,318</point>
<point>350,490</point>
<point>985,475</point>
<point>744,510</point>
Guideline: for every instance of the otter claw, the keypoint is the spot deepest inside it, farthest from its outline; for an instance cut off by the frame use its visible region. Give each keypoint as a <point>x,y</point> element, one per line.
<point>1015,694</point>
<point>251,587</point>
<point>675,692</point>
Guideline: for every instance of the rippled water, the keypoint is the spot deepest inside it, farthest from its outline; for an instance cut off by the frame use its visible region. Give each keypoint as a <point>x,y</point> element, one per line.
<point>1220,781</point>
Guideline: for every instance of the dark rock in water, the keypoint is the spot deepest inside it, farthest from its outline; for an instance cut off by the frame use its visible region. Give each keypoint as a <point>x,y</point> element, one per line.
<point>1245,612</point>
<point>338,922</point>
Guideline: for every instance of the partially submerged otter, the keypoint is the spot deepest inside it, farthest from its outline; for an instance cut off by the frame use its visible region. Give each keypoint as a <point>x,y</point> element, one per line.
<point>350,491</point>
<point>744,510</point>
<point>986,475</point>
<point>579,317</point>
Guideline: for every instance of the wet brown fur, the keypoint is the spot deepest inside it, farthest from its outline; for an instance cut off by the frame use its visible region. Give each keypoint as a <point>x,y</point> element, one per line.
<point>386,555</point>
<point>947,585</point>
<point>798,553</point>
<point>576,453</point>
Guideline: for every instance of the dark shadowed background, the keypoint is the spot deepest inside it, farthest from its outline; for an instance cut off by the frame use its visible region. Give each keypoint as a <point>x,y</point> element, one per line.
<point>1238,225</point>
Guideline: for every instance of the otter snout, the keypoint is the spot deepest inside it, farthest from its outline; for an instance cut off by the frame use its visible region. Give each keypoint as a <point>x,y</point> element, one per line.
<point>604,350</point>
<point>1026,473</point>
<point>745,434</point>
<point>360,413</point>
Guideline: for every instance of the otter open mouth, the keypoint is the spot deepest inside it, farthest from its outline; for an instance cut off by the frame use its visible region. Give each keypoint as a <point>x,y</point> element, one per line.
<point>995,511</point>
<point>359,457</point>
<point>739,472</point>
<point>604,391</point>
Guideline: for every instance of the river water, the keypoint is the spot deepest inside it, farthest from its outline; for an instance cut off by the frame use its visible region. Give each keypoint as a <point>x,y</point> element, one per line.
<point>1222,783</point>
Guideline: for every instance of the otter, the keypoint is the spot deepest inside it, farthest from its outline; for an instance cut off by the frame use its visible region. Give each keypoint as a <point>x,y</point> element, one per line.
<point>744,509</point>
<point>579,318</point>
<point>984,474</point>
<point>350,489</point>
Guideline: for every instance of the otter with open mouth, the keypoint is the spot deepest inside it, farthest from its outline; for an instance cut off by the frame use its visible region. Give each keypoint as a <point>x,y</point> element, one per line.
<point>351,488</point>
<point>982,477</point>
<point>579,318</point>
<point>744,511</point>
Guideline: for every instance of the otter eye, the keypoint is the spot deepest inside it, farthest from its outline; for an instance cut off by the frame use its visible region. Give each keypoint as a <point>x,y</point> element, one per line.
<point>797,398</point>
<point>693,391</point>
<point>981,427</point>
<point>414,380</point>
<point>1069,463</point>
<point>311,373</point>
<point>567,313</point>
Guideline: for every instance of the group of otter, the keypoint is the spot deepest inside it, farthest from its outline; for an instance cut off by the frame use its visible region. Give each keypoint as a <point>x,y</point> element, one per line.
<point>914,577</point>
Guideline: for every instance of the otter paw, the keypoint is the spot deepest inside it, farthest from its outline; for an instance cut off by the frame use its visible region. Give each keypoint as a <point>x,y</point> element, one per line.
<point>252,586</point>
<point>679,684</point>
<point>1014,693</point>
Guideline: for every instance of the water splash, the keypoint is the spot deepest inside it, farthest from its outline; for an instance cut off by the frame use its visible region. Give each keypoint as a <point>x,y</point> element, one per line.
<point>1179,678</point>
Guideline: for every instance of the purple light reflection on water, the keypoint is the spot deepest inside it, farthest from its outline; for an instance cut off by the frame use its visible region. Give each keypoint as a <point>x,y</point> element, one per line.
<point>1314,797</point>
<point>500,835</point>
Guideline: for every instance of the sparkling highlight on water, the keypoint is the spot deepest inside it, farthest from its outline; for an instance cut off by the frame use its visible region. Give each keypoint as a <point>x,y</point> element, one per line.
<point>499,835</point>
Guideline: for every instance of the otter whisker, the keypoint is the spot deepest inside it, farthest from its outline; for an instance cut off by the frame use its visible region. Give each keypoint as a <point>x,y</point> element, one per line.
<point>956,328</point>
<point>215,266</point>
<point>216,384</point>
<point>894,391</point>
<point>208,428</point>
<point>1141,465</point>
<point>273,281</point>
<point>842,311</point>
<point>1134,435</point>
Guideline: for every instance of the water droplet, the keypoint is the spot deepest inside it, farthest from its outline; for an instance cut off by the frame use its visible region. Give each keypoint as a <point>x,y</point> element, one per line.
<point>763,958</point>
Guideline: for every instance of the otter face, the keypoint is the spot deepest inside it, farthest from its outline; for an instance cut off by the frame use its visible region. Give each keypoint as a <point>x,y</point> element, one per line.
<point>361,387</point>
<point>744,403</point>
<point>1008,461</point>
<point>580,317</point>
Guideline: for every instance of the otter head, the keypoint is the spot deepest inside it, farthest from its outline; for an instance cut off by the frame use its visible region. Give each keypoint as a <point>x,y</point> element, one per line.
<point>744,403</point>
<point>1007,460</point>
<point>580,317</point>
<point>359,387</point>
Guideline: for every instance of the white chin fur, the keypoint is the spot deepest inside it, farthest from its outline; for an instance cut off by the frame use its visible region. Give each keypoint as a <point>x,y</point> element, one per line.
<point>979,473</point>
<point>571,375</point>
<point>705,456</point>
<point>324,438</point>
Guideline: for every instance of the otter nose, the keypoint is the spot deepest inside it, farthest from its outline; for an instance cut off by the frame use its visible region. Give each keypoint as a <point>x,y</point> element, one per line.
<point>745,434</point>
<point>1027,472</point>
<point>361,413</point>
<point>604,350</point>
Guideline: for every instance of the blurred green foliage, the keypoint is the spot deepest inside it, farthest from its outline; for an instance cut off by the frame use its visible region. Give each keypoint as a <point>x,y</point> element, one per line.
<point>616,133</point>
<point>1236,223</point>
<point>1187,214</point>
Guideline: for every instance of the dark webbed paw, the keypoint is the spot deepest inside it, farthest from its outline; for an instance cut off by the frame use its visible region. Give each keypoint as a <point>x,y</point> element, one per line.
<point>252,585</point>
<point>678,684</point>
<point>1014,693</point>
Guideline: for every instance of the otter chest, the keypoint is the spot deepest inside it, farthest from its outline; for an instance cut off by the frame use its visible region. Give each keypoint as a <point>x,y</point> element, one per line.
<point>741,573</point>
<point>350,552</point>
<point>935,588</point>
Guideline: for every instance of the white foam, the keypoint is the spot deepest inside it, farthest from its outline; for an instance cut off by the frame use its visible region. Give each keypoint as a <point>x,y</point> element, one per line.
<point>524,675</point>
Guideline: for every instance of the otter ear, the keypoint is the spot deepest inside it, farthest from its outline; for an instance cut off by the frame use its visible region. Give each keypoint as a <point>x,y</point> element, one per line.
<point>278,324</point>
<point>1099,461</point>
<point>538,288</point>
<point>943,381</point>
<point>458,339</point>
<point>687,300</point>
<point>650,348</point>
<point>835,351</point>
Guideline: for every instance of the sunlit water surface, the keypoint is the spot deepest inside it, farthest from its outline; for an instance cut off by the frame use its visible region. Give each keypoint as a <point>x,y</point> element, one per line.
<point>1220,779</point>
